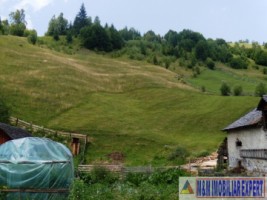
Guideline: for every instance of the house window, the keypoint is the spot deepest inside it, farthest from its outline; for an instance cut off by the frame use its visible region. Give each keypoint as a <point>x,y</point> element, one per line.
<point>238,143</point>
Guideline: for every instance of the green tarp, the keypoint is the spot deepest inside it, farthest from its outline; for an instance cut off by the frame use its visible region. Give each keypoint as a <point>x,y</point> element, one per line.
<point>35,168</point>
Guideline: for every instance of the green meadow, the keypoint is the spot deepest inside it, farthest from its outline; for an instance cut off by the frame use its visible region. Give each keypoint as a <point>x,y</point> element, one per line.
<point>132,107</point>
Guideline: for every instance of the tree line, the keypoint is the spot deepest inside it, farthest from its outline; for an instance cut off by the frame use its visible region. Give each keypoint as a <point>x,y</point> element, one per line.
<point>189,47</point>
<point>17,26</point>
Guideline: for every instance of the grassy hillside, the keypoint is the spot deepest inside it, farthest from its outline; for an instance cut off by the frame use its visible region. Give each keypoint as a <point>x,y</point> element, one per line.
<point>124,106</point>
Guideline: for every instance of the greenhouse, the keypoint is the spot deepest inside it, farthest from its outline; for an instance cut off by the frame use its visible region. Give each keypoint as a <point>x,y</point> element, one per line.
<point>35,168</point>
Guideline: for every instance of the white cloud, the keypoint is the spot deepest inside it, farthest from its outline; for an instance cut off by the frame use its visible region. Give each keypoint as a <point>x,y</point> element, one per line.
<point>2,6</point>
<point>29,22</point>
<point>2,2</point>
<point>32,4</point>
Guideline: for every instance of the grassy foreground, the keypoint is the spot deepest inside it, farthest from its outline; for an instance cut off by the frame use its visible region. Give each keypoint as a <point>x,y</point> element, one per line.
<point>131,107</point>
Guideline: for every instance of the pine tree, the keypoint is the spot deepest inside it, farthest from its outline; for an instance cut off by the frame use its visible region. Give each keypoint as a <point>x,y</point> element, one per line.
<point>81,20</point>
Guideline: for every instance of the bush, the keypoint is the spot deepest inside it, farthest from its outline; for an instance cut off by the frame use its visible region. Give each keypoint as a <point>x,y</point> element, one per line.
<point>203,89</point>
<point>210,64</point>
<point>261,58</point>
<point>155,60</point>
<point>32,37</point>
<point>260,90</point>
<point>170,176</point>
<point>99,175</point>
<point>196,70</point>
<point>179,155</point>
<point>69,37</point>
<point>156,185</point>
<point>256,67</point>
<point>225,89</point>
<point>238,90</point>
<point>77,190</point>
<point>238,63</point>
<point>136,178</point>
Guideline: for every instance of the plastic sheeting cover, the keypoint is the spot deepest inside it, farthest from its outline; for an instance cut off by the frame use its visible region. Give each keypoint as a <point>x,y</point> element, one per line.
<point>36,164</point>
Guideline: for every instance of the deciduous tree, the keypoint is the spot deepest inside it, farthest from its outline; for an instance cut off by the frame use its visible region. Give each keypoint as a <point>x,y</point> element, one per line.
<point>57,26</point>
<point>18,22</point>
<point>95,37</point>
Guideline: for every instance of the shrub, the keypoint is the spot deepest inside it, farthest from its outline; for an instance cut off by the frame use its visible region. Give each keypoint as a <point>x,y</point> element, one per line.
<point>203,89</point>
<point>32,37</point>
<point>99,175</point>
<point>102,175</point>
<point>167,63</point>
<point>136,178</point>
<point>256,67</point>
<point>69,37</point>
<point>196,70</point>
<point>77,190</point>
<point>238,90</point>
<point>210,64</point>
<point>225,89</point>
<point>238,63</point>
<point>86,178</point>
<point>260,90</point>
<point>261,58</point>
<point>155,60</point>
<point>179,155</point>
<point>170,176</point>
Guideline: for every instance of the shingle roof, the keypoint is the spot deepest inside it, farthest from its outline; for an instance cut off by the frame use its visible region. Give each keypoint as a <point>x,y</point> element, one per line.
<point>262,102</point>
<point>14,132</point>
<point>250,119</point>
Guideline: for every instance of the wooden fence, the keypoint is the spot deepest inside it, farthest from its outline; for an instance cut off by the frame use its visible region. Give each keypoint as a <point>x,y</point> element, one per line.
<point>122,169</point>
<point>112,168</point>
<point>34,128</point>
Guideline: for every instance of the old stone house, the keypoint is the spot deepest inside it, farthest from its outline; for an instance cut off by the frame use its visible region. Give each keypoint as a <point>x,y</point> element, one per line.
<point>247,140</point>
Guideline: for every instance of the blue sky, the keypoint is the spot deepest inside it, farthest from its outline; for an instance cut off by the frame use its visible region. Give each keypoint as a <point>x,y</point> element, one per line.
<point>231,20</point>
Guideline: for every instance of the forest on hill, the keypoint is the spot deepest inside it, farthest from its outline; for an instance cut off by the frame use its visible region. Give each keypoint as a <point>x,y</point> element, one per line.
<point>190,48</point>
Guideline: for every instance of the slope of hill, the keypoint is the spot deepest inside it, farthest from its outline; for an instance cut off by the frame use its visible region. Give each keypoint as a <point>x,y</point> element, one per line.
<point>125,106</point>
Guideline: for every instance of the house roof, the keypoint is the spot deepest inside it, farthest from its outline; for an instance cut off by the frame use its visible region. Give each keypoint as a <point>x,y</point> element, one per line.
<point>14,132</point>
<point>250,119</point>
<point>262,102</point>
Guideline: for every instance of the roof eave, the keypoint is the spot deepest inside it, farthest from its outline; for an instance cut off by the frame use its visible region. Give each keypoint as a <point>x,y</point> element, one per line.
<point>242,127</point>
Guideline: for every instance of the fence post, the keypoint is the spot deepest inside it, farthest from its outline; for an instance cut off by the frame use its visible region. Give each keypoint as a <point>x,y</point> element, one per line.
<point>31,127</point>
<point>17,121</point>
